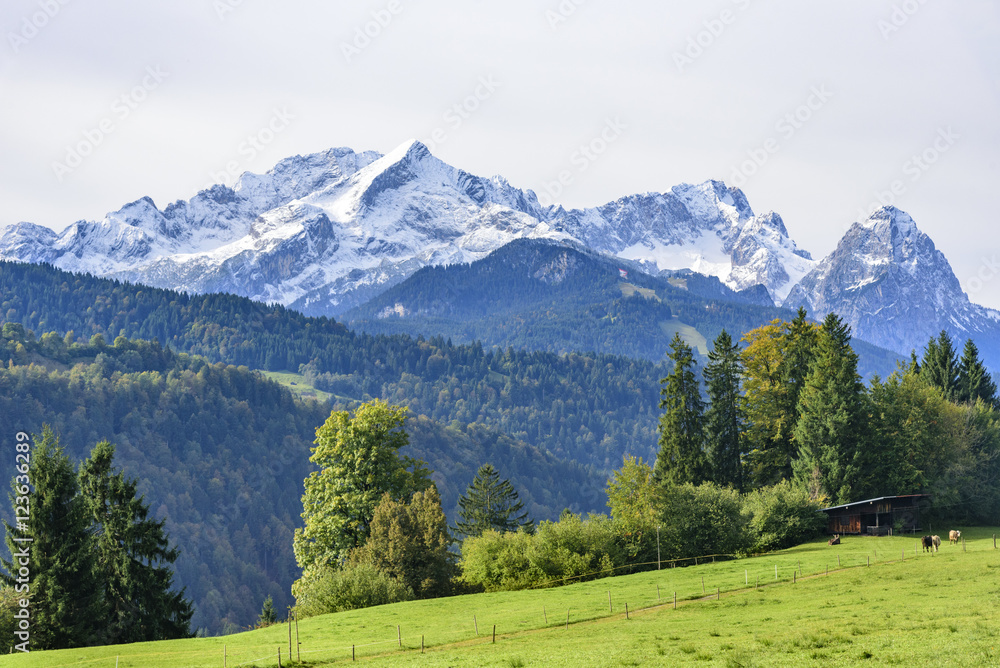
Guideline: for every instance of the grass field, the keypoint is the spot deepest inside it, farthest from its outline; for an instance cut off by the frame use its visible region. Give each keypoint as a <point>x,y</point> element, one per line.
<point>298,384</point>
<point>691,336</point>
<point>926,609</point>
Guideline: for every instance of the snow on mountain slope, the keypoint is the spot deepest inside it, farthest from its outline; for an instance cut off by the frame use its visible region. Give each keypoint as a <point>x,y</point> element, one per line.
<point>325,232</point>
<point>895,288</point>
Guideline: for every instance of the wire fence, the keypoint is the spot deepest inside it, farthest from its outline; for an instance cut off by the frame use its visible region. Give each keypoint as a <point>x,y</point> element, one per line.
<point>621,600</point>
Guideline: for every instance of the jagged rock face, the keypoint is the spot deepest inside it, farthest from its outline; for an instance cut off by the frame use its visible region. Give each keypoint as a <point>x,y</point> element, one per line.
<point>887,279</point>
<point>325,232</point>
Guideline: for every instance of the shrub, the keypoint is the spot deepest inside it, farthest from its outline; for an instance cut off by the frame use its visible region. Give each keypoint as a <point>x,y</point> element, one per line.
<point>574,547</point>
<point>782,516</point>
<point>327,589</point>
<point>702,520</point>
<point>499,561</point>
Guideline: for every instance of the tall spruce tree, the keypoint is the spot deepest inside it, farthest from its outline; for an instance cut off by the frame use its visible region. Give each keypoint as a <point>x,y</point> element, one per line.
<point>134,557</point>
<point>724,420</point>
<point>776,360</point>
<point>490,503</point>
<point>681,458</point>
<point>831,424</point>
<point>940,365</point>
<point>974,381</point>
<point>67,602</point>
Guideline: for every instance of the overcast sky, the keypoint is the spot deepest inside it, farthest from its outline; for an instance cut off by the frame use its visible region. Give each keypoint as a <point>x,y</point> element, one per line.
<point>817,110</point>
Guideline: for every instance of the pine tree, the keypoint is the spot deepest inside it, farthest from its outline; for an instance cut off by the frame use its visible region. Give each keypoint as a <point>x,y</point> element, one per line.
<point>67,605</point>
<point>681,458</point>
<point>267,614</point>
<point>724,420</point>
<point>490,503</point>
<point>134,557</point>
<point>974,381</point>
<point>831,422</point>
<point>940,365</point>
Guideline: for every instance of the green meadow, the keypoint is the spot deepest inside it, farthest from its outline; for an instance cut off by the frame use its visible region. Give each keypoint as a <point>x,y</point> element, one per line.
<point>869,601</point>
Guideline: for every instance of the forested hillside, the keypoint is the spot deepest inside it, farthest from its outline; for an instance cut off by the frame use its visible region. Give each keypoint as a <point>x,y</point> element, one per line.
<point>536,294</point>
<point>588,407</point>
<point>221,453</point>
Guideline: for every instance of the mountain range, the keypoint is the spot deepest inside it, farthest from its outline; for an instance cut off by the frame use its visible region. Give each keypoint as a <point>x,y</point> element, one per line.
<point>328,232</point>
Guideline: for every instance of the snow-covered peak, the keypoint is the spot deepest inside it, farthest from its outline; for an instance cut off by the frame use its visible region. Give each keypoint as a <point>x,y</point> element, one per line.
<point>322,231</point>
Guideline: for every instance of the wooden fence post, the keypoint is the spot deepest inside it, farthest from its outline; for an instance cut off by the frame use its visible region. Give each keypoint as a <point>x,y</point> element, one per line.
<point>702,584</point>
<point>610,609</point>
<point>567,619</point>
<point>838,561</point>
<point>399,635</point>
<point>352,654</point>
<point>225,660</point>
<point>626,609</point>
<point>279,656</point>
<point>657,593</point>
<point>545,616</point>
<point>474,621</point>
<point>675,600</point>
<point>298,645</point>
<point>494,634</point>
<point>289,633</point>
<point>718,593</point>
<point>421,644</point>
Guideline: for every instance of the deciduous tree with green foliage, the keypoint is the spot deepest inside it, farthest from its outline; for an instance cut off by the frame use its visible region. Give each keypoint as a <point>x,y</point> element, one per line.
<point>134,557</point>
<point>359,462</point>
<point>635,500</point>
<point>681,457</point>
<point>724,420</point>
<point>67,602</point>
<point>490,503</point>
<point>409,542</point>
<point>832,420</point>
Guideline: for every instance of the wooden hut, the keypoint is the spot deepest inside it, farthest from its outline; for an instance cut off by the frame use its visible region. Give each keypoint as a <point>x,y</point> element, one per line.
<point>876,517</point>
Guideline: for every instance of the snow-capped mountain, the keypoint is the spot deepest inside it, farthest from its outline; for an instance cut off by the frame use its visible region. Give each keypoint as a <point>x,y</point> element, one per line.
<point>325,232</point>
<point>887,279</point>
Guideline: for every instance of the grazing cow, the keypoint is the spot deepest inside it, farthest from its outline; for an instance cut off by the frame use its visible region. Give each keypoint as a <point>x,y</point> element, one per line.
<point>953,536</point>
<point>937,542</point>
<point>834,541</point>
<point>928,543</point>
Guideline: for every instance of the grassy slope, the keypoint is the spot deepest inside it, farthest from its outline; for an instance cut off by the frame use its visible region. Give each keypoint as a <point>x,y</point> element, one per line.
<point>940,609</point>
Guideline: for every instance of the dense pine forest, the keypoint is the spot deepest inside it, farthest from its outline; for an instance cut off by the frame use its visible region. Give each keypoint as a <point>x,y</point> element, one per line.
<point>536,294</point>
<point>588,407</point>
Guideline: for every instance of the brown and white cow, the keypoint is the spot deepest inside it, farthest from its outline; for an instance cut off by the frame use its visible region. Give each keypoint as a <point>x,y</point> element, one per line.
<point>953,536</point>
<point>834,541</point>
